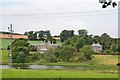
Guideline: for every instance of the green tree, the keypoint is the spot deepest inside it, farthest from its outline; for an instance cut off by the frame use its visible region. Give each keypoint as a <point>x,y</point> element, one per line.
<point>82,32</point>
<point>65,34</point>
<point>20,51</point>
<point>68,53</point>
<point>86,53</point>
<point>114,46</point>
<point>96,39</point>
<point>106,41</point>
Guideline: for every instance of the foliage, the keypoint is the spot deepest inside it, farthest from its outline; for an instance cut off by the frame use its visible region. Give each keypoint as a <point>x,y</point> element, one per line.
<point>20,50</point>
<point>105,41</point>
<point>79,41</point>
<point>68,53</point>
<point>61,53</point>
<point>86,53</point>
<point>65,34</point>
<point>82,32</point>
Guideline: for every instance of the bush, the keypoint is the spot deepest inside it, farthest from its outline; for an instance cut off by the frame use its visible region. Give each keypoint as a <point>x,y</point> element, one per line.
<point>86,53</point>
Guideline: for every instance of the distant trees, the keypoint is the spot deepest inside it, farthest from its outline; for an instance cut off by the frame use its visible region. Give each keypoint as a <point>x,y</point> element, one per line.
<point>40,35</point>
<point>106,41</point>
<point>82,32</point>
<point>109,44</point>
<point>20,51</point>
<point>65,34</point>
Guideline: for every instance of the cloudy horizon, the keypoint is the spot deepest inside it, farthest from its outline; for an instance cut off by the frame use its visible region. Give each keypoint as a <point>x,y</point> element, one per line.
<point>57,15</point>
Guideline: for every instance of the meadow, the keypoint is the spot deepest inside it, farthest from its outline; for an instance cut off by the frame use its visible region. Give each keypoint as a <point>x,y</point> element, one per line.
<point>6,73</point>
<point>104,67</point>
<point>5,42</point>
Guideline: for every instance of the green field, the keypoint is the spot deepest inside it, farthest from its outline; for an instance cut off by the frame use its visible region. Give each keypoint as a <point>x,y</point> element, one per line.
<point>4,55</point>
<point>55,74</point>
<point>105,67</point>
<point>5,42</point>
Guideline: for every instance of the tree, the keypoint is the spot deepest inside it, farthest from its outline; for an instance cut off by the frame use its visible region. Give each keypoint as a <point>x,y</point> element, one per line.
<point>105,41</point>
<point>114,46</point>
<point>61,53</point>
<point>20,50</point>
<point>86,53</point>
<point>96,39</point>
<point>65,34</point>
<point>82,32</point>
<point>68,53</point>
<point>30,35</point>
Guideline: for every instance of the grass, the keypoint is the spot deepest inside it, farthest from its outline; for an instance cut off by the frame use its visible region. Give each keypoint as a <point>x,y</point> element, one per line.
<point>105,67</point>
<point>5,42</point>
<point>55,74</point>
<point>4,55</point>
<point>97,60</point>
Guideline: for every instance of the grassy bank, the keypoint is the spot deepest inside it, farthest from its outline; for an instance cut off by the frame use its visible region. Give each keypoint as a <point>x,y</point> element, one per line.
<point>55,74</point>
<point>97,60</point>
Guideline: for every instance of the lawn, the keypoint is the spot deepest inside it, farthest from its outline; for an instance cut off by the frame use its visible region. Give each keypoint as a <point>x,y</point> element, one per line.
<point>4,56</point>
<point>55,74</point>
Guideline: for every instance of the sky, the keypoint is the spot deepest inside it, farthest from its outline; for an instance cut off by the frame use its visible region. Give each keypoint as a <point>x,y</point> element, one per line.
<point>58,15</point>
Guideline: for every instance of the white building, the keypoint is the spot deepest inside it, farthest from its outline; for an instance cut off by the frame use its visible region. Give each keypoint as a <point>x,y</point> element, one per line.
<point>97,47</point>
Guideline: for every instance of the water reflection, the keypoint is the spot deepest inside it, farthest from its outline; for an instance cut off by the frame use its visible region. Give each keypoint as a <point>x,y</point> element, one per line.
<point>46,67</point>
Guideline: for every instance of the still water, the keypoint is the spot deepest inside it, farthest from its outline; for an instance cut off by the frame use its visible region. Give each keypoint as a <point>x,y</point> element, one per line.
<point>46,67</point>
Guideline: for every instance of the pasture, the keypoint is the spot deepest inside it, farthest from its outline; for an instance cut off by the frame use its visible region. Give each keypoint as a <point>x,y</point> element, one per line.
<point>5,42</point>
<point>105,67</point>
<point>56,74</point>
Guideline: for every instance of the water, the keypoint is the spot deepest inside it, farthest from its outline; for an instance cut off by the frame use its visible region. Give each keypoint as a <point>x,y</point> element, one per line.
<point>46,67</point>
<point>4,67</point>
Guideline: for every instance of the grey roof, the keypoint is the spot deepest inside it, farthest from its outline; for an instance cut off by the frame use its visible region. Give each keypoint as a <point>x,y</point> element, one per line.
<point>44,44</point>
<point>96,44</point>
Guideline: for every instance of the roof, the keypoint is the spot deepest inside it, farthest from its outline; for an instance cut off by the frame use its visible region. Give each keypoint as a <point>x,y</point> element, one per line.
<point>45,44</point>
<point>96,44</point>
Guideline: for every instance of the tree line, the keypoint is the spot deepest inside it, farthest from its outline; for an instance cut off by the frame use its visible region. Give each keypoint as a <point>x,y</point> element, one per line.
<point>109,44</point>
<point>74,48</point>
<point>44,36</point>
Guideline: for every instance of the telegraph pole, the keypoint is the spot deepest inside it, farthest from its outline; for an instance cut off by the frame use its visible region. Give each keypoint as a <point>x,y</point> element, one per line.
<point>10,50</point>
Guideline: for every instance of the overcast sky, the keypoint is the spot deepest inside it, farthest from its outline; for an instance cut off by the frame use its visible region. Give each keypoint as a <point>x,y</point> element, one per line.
<point>57,15</point>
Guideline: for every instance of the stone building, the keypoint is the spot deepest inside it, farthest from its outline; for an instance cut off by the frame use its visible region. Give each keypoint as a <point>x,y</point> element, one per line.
<point>97,47</point>
<point>42,48</point>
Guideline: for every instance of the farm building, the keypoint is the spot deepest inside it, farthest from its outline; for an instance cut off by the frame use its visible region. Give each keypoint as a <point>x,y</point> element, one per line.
<point>97,47</point>
<point>42,48</point>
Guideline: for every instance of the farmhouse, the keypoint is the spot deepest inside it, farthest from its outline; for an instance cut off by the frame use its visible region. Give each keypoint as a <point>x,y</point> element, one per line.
<point>97,47</point>
<point>42,48</point>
